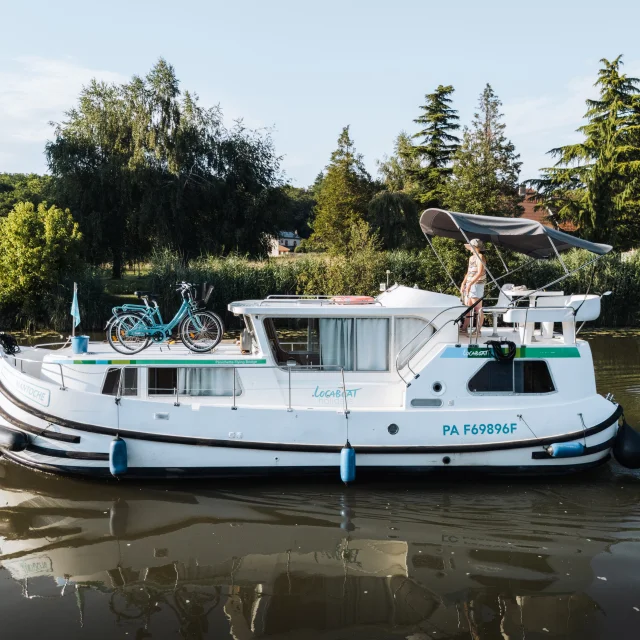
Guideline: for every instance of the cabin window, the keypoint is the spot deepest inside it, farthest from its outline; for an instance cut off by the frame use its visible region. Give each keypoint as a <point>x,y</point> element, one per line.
<point>352,344</point>
<point>193,381</point>
<point>410,335</point>
<point>129,382</point>
<point>163,381</point>
<point>518,376</point>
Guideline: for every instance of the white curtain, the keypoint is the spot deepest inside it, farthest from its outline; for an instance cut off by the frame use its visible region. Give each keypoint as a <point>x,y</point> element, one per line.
<point>337,339</point>
<point>372,344</point>
<point>207,381</point>
<point>406,331</point>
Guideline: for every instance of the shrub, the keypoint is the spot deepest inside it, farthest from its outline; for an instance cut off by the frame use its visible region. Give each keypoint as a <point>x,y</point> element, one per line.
<point>39,260</point>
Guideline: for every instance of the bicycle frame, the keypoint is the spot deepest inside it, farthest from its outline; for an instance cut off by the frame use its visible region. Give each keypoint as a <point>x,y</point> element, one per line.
<point>141,329</point>
<point>149,312</point>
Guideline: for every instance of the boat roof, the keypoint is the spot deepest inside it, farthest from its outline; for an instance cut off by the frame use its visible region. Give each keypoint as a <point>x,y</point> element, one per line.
<point>528,237</point>
<point>396,300</point>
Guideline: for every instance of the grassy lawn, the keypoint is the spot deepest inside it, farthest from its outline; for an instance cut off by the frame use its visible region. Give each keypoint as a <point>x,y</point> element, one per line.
<point>121,291</point>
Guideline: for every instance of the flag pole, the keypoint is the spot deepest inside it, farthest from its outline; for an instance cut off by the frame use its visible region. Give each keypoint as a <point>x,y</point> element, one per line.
<point>73,324</point>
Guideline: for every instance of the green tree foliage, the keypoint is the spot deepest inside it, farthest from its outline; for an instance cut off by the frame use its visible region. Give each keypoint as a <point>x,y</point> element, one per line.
<point>595,184</point>
<point>394,217</point>
<point>486,166</point>
<point>142,164</point>
<point>298,209</point>
<point>23,187</point>
<point>436,147</point>
<point>399,171</point>
<point>40,248</point>
<point>342,197</point>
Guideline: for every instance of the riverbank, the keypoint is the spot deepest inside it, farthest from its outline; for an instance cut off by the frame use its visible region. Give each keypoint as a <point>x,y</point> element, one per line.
<point>237,278</point>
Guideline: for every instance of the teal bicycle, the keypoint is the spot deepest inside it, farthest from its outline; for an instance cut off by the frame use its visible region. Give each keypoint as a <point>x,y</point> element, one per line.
<point>133,327</point>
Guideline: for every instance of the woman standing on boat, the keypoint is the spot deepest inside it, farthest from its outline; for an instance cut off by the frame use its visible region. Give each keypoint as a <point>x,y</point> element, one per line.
<point>472,288</point>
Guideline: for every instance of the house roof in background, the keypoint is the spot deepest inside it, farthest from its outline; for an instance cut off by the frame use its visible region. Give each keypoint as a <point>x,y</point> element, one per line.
<point>541,213</point>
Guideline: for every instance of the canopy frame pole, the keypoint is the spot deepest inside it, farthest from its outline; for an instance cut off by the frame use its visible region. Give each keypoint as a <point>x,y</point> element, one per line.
<point>564,266</point>
<point>522,266</point>
<point>557,280</point>
<point>442,264</point>
<point>504,264</point>
<point>495,282</point>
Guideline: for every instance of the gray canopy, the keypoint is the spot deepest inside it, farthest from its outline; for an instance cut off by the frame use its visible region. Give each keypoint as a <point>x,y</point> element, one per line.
<point>517,234</point>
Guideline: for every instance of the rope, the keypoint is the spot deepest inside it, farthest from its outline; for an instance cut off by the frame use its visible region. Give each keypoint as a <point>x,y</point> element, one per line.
<point>528,427</point>
<point>499,354</point>
<point>584,430</point>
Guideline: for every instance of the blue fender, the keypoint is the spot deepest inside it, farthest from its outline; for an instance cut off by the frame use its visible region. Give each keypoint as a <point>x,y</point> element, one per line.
<point>118,457</point>
<point>566,449</point>
<point>348,463</point>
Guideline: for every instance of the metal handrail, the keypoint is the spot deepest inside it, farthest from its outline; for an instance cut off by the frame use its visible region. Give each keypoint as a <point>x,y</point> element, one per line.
<point>430,323</point>
<point>175,391</point>
<point>302,299</point>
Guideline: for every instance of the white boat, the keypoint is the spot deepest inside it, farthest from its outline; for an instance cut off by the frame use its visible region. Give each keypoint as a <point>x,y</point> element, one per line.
<point>393,376</point>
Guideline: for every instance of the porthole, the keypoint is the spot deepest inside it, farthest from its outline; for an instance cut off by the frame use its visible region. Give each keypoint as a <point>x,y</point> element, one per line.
<point>393,429</point>
<point>438,388</point>
<point>446,460</point>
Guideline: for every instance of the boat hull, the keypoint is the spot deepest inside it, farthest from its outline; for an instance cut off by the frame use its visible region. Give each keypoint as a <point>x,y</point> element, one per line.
<point>54,434</point>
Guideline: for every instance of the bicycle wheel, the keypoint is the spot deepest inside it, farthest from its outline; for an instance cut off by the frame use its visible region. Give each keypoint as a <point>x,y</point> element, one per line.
<point>201,331</point>
<point>111,332</point>
<point>119,334</point>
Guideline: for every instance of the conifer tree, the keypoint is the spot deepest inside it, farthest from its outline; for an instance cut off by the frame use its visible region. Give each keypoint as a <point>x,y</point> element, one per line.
<point>595,184</point>
<point>436,147</point>
<point>486,166</point>
<point>342,197</point>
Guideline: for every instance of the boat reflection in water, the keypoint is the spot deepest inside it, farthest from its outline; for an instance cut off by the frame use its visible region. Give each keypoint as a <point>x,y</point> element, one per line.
<point>416,563</point>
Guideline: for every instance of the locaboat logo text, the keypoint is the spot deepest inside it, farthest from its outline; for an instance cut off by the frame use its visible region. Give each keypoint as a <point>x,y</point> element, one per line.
<point>334,395</point>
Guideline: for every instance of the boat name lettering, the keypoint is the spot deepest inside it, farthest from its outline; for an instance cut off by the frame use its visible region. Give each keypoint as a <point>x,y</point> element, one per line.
<point>477,353</point>
<point>479,429</point>
<point>33,392</point>
<point>335,393</point>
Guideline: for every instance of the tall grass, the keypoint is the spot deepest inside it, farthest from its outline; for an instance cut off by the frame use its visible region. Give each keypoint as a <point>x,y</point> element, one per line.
<point>237,278</point>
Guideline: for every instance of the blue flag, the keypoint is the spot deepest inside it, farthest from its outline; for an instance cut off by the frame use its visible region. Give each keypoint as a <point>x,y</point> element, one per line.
<point>75,309</point>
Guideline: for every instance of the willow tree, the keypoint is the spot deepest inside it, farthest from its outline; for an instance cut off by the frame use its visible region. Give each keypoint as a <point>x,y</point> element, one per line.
<point>142,164</point>
<point>595,184</point>
<point>436,147</point>
<point>485,166</point>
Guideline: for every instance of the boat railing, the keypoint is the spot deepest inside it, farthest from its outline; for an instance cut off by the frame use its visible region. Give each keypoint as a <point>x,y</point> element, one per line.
<point>413,347</point>
<point>175,391</point>
<point>307,299</point>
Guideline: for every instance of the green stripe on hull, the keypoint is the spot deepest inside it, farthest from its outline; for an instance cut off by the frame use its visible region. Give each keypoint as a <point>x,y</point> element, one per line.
<point>547,352</point>
<point>477,351</point>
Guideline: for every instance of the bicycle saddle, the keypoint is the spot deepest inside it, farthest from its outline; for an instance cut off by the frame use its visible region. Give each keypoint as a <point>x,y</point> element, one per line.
<point>146,294</point>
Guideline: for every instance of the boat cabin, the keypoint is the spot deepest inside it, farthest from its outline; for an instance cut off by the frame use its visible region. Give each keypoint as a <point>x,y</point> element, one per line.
<point>327,350</point>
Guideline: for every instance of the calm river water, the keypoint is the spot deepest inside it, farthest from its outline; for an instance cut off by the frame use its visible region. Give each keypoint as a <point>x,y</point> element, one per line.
<point>476,558</point>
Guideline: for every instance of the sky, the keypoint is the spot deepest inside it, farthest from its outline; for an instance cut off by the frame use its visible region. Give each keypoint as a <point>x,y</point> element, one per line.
<point>306,69</point>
